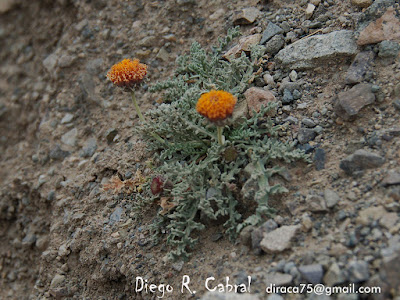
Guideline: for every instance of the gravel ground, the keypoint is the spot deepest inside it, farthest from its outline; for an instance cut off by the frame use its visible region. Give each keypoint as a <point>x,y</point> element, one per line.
<point>333,67</point>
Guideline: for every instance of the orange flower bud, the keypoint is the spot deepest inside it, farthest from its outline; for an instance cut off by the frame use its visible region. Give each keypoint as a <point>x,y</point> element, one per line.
<point>216,105</point>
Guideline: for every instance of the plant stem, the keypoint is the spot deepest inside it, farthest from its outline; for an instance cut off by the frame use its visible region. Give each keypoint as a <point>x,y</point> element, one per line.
<point>219,135</point>
<point>141,118</point>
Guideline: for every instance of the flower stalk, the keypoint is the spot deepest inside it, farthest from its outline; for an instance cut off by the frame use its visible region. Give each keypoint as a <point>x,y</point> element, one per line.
<point>141,118</point>
<point>219,135</point>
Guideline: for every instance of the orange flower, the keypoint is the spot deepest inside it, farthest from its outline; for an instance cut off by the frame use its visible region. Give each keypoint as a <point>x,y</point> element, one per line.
<point>216,105</point>
<point>127,73</point>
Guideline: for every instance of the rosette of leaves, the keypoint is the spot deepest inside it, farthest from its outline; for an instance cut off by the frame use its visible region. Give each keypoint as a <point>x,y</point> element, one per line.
<point>206,178</point>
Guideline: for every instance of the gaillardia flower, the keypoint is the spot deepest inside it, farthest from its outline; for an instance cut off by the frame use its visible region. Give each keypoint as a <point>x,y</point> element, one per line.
<point>216,105</point>
<point>127,73</point>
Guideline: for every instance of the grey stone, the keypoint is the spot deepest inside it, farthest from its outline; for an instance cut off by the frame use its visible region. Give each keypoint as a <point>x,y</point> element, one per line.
<point>312,273</point>
<point>293,75</point>
<point>309,10</point>
<point>308,123</point>
<point>392,178</point>
<point>50,63</point>
<point>278,279</point>
<point>57,280</point>
<point>279,239</point>
<point>269,32</point>
<point>286,84</point>
<point>331,198</point>
<point>285,26</point>
<point>334,275</point>
<point>296,94</point>
<point>258,234</point>
<point>316,203</point>
<point>67,118</point>
<point>312,51</point>
<point>70,137</point>
<point>275,297</point>
<point>64,250</point>
<point>388,49</point>
<point>29,239</point>
<point>269,225</point>
<point>359,67</point>
<point>268,79</point>
<point>66,60</point>
<point>116,215</point>
<point>291,120</point>
<point>358,271</point>
<point>287,97</point>
<point>57,153</point>
<point>350,102</point>
<point>89,148</point>
<point>275,44</point>
<point>361,160</point>
<point>319,157</point>
<point>305,135</point>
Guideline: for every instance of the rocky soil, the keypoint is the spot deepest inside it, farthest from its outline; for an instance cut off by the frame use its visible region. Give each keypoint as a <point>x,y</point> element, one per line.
<point>332,66</point>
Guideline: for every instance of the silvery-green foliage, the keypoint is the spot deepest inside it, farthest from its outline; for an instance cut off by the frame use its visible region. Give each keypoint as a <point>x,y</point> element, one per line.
<point>206,182</point>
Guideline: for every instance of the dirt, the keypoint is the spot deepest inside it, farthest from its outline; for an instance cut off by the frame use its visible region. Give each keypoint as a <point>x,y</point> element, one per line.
<point>54,215</point>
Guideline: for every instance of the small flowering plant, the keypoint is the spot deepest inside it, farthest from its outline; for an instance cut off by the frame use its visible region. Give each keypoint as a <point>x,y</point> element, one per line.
<point>197,179</point>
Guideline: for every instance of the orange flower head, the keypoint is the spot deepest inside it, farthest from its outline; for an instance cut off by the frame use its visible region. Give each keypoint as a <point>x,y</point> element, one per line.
<point>216,105</point>
<point>127,73</point>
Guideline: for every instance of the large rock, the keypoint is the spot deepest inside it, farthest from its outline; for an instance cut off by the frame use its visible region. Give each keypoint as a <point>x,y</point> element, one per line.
<point>279,239</point>
<point>361,160</point>
<point>349,103</point>
<point>313,51</point>
<point>386,27</point>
